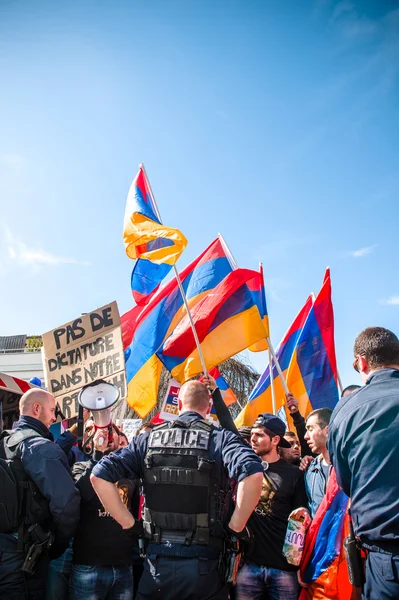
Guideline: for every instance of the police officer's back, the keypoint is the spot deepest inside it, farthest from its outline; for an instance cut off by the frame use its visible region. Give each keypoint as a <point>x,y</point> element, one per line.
<point>186,468</point>
<point>49,500</point>
<point>363,443</point>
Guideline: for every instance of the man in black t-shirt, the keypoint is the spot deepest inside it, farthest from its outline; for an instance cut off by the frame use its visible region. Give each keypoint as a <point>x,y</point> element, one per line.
<point>266,573</point>
<point>102,550</point>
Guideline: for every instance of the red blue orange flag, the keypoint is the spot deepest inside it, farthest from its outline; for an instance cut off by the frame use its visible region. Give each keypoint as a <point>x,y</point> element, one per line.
<point>307,359</point>
<point>260,296</point>
<point>227,393</point>
<point>143,233</point>
<point>145,329</point>
<point>227,322</point>
<point>156,247</point>
<point>323,566</point>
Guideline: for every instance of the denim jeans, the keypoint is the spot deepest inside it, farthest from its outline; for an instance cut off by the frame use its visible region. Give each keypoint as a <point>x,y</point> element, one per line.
<point>101,583</point>
<point>59,573</point>
<point>264,583</point>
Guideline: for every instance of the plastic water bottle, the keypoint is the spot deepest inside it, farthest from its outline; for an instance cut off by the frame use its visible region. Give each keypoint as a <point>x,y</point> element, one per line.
<point>294,540</point>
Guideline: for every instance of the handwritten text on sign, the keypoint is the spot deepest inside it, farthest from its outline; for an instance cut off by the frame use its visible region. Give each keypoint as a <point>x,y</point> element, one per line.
<point>82,351</point>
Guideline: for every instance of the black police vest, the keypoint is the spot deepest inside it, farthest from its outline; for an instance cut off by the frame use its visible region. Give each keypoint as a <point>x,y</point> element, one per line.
<point>182,495</point>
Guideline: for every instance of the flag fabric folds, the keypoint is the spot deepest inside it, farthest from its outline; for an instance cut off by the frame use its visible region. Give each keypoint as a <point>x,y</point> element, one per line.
<point>307,359</point>
<point>144,331</point>
<point>143,233</point>
<point>260,298</point>
<point>323,565</point>
<point>155,246</point>
<point>227,322</point>
<point>146,279</point>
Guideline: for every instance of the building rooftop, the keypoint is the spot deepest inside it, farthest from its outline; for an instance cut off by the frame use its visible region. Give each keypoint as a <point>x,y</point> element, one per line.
<point>10,344</point>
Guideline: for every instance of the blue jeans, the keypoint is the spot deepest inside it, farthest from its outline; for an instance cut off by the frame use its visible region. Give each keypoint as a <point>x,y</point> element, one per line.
<point>101,583</point>
<point>59,573</point>
<point>263,583</point>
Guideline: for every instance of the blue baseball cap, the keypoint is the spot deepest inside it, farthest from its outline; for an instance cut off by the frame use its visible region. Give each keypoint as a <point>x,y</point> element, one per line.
<point>275,425</point>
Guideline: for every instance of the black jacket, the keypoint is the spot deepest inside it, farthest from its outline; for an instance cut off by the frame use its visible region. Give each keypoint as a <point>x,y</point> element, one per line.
<point>47,465</point>
<point>363,442</point>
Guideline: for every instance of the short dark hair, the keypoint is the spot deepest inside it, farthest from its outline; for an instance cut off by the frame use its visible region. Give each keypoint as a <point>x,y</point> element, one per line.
<point>290,434</point>
<point>323,416</point>
<point>349,389</point>
<point>379,346</point>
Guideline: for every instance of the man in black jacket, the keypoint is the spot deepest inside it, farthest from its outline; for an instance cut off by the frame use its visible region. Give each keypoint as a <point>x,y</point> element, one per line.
<point>363,444</point>
<point>47,466</point>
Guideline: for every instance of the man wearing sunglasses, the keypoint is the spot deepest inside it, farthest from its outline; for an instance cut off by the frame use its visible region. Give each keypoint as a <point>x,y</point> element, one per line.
<point>363,444</point>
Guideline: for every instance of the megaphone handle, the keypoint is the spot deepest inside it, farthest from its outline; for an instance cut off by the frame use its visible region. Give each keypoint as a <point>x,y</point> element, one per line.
<point>110,433</point>
<point>80,427</point>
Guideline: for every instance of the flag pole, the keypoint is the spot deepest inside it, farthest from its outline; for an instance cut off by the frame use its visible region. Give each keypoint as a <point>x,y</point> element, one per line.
<point>272,382</point>
<point>341,387</point>
<point>179,283</point>
<point>279,371</point>
<point>230,257</point>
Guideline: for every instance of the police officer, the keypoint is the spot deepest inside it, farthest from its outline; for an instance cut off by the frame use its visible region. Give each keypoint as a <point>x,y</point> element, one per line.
<point>363,444</point>
<point>51,501</point>
<point>186,467</point>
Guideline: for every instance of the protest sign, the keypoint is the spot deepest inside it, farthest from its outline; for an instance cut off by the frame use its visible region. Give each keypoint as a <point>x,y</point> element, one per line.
<point>130,426</point>
<point>212,417</point>
<point>82,351</point>
<point>169,410</point>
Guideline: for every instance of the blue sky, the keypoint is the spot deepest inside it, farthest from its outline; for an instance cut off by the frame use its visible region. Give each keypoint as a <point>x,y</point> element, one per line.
<point>273,122</point>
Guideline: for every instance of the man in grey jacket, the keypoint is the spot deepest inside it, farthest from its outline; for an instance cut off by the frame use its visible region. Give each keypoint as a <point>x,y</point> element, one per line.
<point>45,464</point>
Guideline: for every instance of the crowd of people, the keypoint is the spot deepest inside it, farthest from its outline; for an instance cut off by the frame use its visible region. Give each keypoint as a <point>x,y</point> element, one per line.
<point>189,511</point>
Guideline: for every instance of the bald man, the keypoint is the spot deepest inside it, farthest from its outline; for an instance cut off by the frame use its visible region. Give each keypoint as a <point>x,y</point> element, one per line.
<point>186,466</point>
<point>51,495</point>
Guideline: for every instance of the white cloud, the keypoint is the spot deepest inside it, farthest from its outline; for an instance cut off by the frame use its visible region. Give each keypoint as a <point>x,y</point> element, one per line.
<point>34,258</point>
<point>392,301</point>
<point>361,252</point>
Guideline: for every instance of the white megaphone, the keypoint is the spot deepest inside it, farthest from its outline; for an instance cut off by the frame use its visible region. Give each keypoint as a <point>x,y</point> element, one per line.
<point>99,397</point>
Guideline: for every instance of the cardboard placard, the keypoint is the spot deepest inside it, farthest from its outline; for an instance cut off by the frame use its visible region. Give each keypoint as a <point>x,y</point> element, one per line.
<point>170,410</point>
<point>82,351</point>
<point>130,427</point>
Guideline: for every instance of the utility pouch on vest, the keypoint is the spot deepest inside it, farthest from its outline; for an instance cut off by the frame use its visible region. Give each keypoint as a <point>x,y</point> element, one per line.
<point>353,558</point>
<point>180,486</point>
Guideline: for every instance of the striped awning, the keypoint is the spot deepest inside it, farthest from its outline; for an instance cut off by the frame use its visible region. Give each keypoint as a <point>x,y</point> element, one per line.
<point>14,384</point>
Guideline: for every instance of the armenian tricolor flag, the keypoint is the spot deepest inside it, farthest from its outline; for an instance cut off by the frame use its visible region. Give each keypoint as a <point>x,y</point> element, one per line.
<point>307,359</point>
<point>260,299</point>
<point>323,566</point>
<point>147,239</point>
<point>227,322</point>
<point>228,395</point>
<point>145,330</point>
